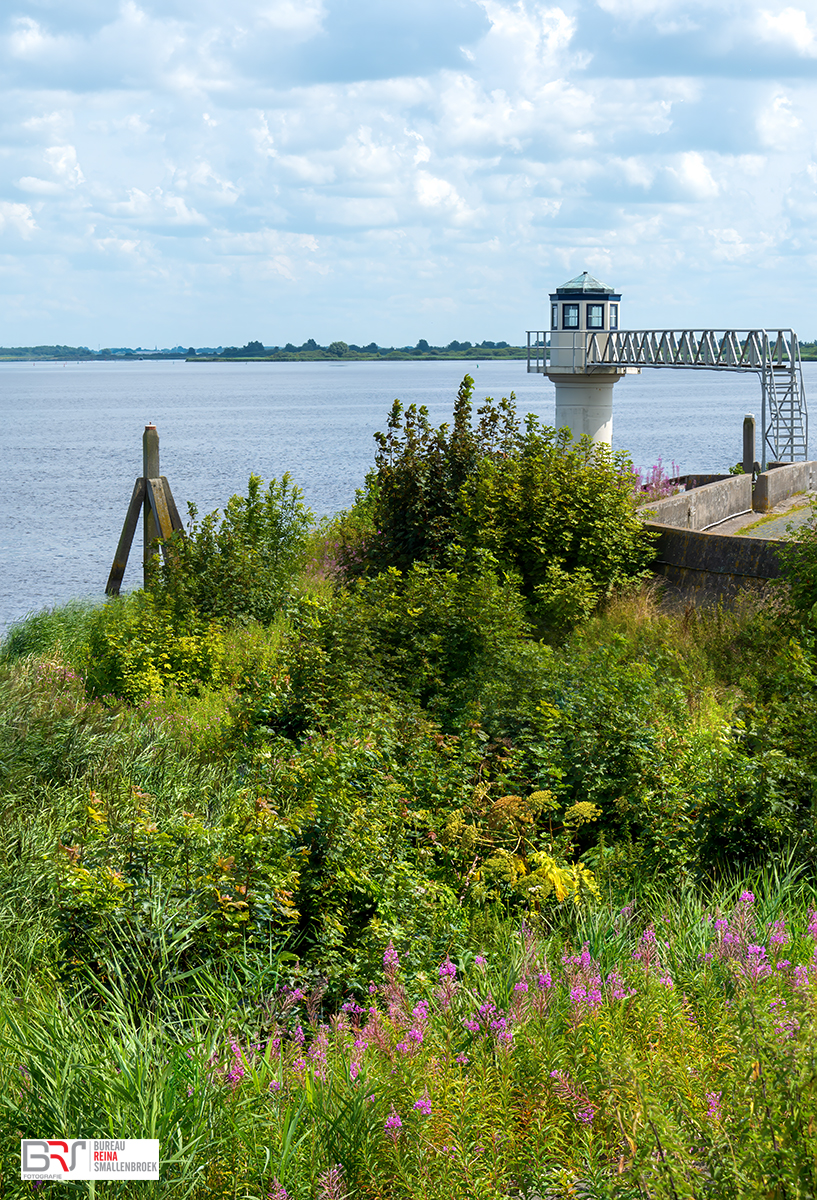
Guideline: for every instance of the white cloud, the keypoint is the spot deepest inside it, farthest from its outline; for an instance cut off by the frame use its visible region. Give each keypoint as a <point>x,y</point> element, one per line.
<point>789,27</point>
<point>694,177</point>
<point>301,17</point>
<point>156,208</point>
<point>63,162</point>
<point>17,217</point>
<point>40,187</point>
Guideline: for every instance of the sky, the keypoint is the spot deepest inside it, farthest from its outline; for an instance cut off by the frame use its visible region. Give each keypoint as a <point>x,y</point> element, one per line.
<point>201,173</point>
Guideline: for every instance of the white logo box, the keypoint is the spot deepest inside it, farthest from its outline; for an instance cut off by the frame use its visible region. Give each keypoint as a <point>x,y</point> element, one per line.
<point>70,1159</point>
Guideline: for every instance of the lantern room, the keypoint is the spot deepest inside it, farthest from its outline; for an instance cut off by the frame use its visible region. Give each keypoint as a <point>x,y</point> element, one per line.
<point>584,304</point>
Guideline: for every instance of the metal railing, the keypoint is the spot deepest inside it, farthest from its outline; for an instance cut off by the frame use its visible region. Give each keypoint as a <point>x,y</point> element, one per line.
<point>774,357</point>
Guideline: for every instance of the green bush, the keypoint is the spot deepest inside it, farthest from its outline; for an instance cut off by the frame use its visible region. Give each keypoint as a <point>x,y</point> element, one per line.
<point>560,514</point>
<point>798,557</point>
<point>413,492</point>
<point>244,566</point>
<point>137,647</point>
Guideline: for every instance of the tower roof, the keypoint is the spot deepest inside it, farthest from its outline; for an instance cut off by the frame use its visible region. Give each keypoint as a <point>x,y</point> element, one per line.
<point>583,284</point>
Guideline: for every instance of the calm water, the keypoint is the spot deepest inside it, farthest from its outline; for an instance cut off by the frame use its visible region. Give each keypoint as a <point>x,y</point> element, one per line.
<point>71,442</point>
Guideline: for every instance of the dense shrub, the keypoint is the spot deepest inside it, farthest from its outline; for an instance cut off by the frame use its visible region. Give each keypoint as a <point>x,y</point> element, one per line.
<point>798,556</point>
<point>413,491</point>
<point>558,514</point>
<point>561,514</point>
<point>138,646</point>
<point>243,566</point>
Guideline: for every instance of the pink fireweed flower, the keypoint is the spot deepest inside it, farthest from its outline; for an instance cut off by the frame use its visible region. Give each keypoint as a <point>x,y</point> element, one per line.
<point>423,1105</point>
<point>278,1191</point>
<point>811,928</point>
<point>584,983</point>
<point>778,934</point>
<point>713,1100</point>
<point>393,1125</point>
<point>390,960</point>
<point>584,1111</point>
<point>616,987</point>
<point>756,965</point>
<point>801,979</point>
<point>448,988</point>
<point>330,1184</point>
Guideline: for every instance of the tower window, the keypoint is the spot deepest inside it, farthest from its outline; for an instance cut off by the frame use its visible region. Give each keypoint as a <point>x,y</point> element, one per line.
<point>595,316</point>
<point>554,316</point>
<point>614,316</point>
<point>570,316</point>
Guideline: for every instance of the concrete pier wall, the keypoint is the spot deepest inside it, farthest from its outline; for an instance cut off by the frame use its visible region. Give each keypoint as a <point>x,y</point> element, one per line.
<point>703,567</point>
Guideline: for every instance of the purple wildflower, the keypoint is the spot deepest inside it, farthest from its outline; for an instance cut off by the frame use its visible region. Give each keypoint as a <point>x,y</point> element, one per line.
<point>330,1184</point>
<point>713,1100</point>
<point>393,1125</point>
<point>278,1191</point>
<point>423,1105</point>
<point>779,935</point>
<point>584,1111</point>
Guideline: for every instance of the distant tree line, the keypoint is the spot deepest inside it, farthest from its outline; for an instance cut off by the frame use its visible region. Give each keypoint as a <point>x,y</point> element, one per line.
<point>339,349</point>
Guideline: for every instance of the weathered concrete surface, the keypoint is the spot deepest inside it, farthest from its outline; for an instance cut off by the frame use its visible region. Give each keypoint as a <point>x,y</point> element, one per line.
<point>772,487</point>
<point>706,567</point>
<point>703,506</point>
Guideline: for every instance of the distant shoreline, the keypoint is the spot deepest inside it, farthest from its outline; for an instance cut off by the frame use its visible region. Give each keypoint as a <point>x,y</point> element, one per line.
<point>808,353</point>
<point>479,355</point>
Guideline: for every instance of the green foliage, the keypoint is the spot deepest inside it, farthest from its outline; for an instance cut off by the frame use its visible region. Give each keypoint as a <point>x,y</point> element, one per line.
<point>242,567</point>
<point>798,558</point>
<point>419,472</point>
<point>560,515</point>
<point>307,769</point>
<point>137,647</point>
<point>65,628</point>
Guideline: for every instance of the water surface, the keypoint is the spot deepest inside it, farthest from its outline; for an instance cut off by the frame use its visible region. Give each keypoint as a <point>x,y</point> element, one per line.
<point>71,442</point>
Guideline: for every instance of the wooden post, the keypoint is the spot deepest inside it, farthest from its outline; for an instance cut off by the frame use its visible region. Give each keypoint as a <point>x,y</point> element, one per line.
<point>748,444</point>
<point>152,498</point>
<point>150,470</point>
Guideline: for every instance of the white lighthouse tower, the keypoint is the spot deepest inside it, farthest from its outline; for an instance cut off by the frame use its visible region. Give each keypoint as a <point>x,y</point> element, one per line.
<point>584,388</point>
<point>586,352</point>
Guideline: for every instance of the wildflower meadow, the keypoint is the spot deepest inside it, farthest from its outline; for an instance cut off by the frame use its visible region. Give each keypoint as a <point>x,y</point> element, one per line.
<point>422,853</point>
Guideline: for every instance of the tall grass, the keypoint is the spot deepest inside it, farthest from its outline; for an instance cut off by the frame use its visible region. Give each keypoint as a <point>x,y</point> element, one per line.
<point>656,1043</point>
<point>665,1052</point>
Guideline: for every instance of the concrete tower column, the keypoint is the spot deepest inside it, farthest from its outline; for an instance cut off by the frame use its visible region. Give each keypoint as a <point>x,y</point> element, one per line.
<point>584,403</point>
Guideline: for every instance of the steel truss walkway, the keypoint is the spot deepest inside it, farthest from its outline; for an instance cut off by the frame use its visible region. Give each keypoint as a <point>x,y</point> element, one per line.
<point>774,357</point>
